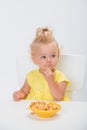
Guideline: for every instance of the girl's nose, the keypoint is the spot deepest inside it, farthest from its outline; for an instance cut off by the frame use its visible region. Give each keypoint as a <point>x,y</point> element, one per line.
<point>48,59</point>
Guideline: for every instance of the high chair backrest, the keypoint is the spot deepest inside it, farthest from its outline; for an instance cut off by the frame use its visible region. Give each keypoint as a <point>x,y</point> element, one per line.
<point>73,67</point>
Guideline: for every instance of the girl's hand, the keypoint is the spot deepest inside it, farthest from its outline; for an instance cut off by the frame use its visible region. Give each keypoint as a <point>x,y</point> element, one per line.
<point>18,95</point>
<point>21,93</point>
<point>48,74</point>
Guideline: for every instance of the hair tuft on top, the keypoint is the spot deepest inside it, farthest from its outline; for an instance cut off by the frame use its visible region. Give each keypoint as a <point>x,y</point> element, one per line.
<point>44,35</point>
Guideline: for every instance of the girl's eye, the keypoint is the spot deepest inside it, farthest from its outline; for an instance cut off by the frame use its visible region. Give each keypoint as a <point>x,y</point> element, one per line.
<point>53,55</point>
<point>43,57</point>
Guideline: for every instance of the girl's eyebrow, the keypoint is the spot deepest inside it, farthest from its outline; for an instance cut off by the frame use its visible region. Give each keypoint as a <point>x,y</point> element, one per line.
<point>53,53</point>
<point>43,54</point>
<point>47,54</point>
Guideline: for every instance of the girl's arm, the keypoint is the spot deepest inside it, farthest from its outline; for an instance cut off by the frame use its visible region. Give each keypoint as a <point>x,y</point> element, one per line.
<point>56,89</point>
<point>22,92</point>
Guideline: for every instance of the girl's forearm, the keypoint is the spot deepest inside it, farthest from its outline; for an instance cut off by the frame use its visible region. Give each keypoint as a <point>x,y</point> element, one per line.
<point>56,90</point>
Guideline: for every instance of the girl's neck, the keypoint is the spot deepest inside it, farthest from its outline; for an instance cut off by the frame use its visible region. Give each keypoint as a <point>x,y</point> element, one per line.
<point>41,71</point>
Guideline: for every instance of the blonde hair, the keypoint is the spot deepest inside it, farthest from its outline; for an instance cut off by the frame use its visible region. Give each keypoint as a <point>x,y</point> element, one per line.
<point>43,35</point>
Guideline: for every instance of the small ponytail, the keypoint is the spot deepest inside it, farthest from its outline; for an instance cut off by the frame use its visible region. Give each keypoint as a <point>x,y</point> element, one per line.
<point>44,35</point>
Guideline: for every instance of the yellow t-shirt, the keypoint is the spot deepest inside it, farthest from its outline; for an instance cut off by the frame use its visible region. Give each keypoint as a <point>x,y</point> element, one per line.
<point>39,89</point>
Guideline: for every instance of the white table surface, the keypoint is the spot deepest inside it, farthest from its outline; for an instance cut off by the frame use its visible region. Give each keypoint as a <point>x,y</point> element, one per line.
<point>14,116</point>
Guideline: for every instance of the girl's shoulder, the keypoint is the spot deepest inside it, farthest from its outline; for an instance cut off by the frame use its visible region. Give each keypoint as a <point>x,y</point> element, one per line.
<point>58,72</point>
<point>33,72</point>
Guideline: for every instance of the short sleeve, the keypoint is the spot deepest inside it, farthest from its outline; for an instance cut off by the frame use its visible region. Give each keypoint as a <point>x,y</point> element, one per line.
<point>29,78</point>
<point>60,77</point>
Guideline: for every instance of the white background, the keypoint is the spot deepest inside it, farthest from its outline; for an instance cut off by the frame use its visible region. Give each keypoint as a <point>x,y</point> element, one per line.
<point>18,22</point>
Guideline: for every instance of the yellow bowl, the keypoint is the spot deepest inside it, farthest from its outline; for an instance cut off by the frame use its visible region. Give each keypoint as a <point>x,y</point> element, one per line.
<point>44,109</point>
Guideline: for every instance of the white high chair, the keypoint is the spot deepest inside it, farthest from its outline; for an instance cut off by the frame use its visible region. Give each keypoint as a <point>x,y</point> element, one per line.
<point>73,67</point>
